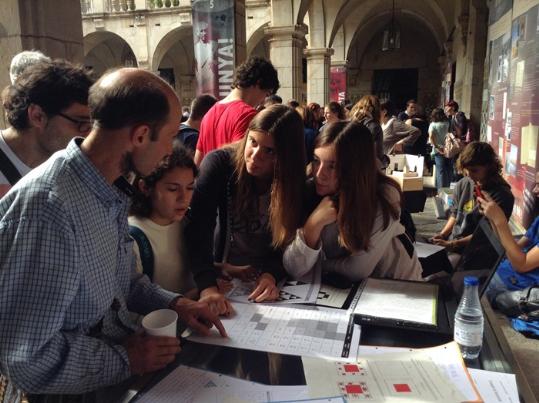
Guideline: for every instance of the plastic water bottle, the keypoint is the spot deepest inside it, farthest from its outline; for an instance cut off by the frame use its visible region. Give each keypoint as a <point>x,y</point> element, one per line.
<point>469,320</point>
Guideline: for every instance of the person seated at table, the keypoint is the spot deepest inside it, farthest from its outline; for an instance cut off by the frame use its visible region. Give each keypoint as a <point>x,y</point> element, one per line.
<point>483,174</point>
<point>255,186</point>
<point>521,267</point>
<point>353,225</point>
<point>160,202</point>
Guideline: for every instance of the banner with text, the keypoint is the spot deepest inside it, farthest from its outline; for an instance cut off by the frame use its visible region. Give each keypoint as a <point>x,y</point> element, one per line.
<point>337,84</point>
<point>213,36</point>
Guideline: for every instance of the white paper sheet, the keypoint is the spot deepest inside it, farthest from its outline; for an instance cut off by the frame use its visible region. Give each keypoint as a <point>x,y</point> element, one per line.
<point>192,385</point>
<point>411,376</point>
<point>426,249</point>
<point>495,387</point>
<point>300,291</point>
<point>401,300</point>
<point>332,296</point>
<point>311,331</point>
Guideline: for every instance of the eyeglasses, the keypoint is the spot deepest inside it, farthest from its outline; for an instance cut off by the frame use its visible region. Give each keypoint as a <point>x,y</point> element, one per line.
<point>83,126</point>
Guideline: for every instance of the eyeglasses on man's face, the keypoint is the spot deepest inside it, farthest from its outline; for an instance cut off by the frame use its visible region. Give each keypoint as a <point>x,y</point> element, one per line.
<point>83,126</point>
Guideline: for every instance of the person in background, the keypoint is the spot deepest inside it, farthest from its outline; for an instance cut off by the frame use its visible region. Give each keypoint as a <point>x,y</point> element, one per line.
<point>411,109</point>
<point>482,175</point>
<point>254,188</point>
<point>458,124</point>
<point>160,201</point>
<point>68,327</point>
<point>438,129</point>
<point>185,114</point>
<point>46,107</point>
<point>397,134</point>
<point>310,131</point>
<point>367,111</point>
<point>24,59</point>
<point>333,112</point>
<point>353,211</point>
<point>189,130</point>
<point>228,119</point>
<point>272,100</point>
<point>292,103</point>
<point>318,114</point>
<point>420,122</point>
<point>521,267</point>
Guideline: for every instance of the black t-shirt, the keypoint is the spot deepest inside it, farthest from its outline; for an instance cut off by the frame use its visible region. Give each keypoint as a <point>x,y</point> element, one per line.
<point>466,209</point>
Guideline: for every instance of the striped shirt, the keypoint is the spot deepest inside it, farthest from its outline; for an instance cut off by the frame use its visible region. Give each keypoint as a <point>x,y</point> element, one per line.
<point>68,282</point>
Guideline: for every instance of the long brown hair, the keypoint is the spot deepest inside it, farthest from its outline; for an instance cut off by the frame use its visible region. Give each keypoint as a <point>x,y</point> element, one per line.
<point>286,200</point>
<point>367,106</point>
<point>363,188</point>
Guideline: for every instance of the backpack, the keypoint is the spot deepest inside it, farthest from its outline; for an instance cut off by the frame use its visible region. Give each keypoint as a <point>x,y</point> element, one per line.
<point>452,145</point>
<point>145,250</point>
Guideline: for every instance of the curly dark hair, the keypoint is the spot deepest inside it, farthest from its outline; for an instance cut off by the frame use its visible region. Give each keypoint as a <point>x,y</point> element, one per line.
<point>53,85</point>
<point>141,205</point>
<point>478,153</point>
<point>256,70</point>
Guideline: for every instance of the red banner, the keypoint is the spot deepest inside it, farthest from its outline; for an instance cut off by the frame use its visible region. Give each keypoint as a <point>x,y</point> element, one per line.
<point>337,84</point>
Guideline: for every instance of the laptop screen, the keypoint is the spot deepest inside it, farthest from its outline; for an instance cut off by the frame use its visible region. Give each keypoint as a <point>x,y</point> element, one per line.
<point>483,253</point>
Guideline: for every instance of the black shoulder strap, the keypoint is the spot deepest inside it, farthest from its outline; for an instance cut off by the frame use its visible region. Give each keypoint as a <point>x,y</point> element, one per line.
<point>8,169</point>
<point>145,250</point>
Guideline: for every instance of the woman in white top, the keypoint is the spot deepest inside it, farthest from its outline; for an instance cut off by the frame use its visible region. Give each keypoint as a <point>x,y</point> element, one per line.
<point>160,202</point>
<point>437,131</point>
<point>353,223</point>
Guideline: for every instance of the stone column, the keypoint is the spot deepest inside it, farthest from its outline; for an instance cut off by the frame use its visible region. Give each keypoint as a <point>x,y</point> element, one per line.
<point>286,54</point>
<point>476,47</point>
<point>41,25</point>
<point>318,64</point>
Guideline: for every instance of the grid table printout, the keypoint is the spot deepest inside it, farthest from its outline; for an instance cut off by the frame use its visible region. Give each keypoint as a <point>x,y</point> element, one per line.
<point>304,331</point>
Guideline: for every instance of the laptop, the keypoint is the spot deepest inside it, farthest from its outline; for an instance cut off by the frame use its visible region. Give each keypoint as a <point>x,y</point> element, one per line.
<point>480,258</point>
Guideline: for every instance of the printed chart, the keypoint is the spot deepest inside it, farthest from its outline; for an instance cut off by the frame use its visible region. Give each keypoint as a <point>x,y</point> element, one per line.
<point>192,385</point>
<point>427,375</point>
<point>305,331</point>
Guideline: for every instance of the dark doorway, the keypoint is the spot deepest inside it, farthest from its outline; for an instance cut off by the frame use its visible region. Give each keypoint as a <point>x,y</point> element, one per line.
<point>396,85</point>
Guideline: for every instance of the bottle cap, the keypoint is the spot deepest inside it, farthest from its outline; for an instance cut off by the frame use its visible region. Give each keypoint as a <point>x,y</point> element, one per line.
<point>471,280</point>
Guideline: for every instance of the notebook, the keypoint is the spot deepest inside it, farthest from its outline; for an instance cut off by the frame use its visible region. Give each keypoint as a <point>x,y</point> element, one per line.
<point>418,305</point>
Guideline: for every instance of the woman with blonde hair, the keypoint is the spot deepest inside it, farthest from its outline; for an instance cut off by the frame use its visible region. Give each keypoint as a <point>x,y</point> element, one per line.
<point>255,187</point>
<point>367,111</point>
<point>353,226</point>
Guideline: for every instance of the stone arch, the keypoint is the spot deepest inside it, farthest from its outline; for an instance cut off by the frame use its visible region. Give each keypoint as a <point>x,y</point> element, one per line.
<point>374,25</point>
<point>352,15</point>
<point>365,59</point>
<point>288,12</point>
<point>173,59</point>
<point>257,44</point>
<point>105,49</point>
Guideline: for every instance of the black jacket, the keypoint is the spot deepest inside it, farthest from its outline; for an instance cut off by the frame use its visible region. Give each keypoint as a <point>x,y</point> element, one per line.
<point>212,200</point>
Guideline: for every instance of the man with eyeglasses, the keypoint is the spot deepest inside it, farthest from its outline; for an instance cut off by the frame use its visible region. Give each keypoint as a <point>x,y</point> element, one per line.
<point>70,294</point>
<point>46,106</point>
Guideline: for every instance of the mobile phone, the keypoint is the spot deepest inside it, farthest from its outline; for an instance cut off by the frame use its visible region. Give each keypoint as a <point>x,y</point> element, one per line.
<point>477,191</point>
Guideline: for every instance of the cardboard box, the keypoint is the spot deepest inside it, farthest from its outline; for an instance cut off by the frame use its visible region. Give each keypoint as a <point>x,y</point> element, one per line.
<point>413,163</point>
<point>408,184</point>
<point>407,170</point>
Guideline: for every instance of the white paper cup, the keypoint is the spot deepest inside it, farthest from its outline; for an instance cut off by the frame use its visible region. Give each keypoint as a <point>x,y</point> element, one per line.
<point>161,323</point>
